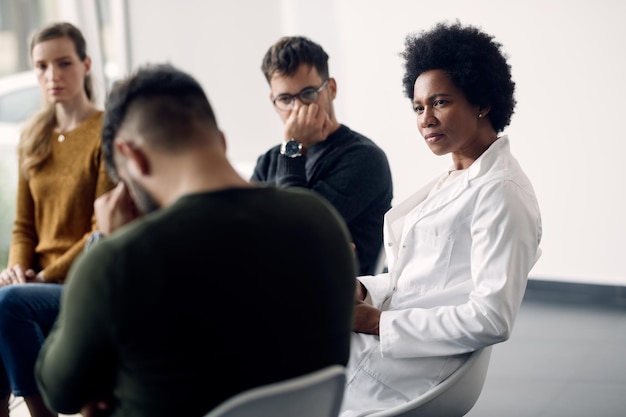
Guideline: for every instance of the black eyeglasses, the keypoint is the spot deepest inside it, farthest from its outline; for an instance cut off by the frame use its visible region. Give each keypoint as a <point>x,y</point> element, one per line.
<point>285,102</point>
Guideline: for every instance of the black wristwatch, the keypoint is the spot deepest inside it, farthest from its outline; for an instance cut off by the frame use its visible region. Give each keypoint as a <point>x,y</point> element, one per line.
<point>292,148</point>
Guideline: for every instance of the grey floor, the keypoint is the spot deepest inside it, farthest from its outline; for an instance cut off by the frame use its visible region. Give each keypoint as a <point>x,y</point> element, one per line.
<point>565,358</point>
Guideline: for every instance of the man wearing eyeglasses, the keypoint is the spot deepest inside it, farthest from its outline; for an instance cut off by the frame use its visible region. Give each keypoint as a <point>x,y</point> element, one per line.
<point>318,152</point>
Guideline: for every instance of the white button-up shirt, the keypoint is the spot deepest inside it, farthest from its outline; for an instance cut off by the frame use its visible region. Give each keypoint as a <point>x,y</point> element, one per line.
<point>458,262</point>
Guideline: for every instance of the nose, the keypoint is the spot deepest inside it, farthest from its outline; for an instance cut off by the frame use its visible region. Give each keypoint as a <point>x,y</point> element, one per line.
<point>427,118</point>
<point>51,73</point>
<point>296,103</point>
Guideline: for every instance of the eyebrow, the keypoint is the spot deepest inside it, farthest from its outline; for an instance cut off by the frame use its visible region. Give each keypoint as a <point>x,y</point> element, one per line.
<point>292,95</point>
<point>61,58</point>
<point>433,97</point>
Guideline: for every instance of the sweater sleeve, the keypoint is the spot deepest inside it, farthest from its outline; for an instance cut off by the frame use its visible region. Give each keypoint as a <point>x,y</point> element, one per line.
<point>280,170</point>
<point>355,180</point>
<point>57,271</point>
<point>291,172</point>
<point>79,345</point>
<point>505,234</point>
<point>24,237</point>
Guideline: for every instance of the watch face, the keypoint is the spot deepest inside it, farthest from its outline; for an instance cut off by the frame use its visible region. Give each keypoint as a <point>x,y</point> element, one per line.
<point>292,148</point>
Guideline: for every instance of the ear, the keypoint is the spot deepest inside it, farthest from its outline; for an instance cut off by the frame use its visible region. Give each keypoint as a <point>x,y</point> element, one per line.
<point>484,110</point>
<point>332,88</point>
<point>223,140</point>
<point>271,97</point>
<point>138,162</point>
<point>87,63</point>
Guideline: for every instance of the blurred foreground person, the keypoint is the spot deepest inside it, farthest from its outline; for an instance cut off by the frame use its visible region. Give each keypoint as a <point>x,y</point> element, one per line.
<point>201,296</point>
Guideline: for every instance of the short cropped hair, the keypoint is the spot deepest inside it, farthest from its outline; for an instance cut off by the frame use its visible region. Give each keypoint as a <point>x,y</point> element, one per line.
<point>168,103</point>
<point>473,60</point>
<point>289,53</point>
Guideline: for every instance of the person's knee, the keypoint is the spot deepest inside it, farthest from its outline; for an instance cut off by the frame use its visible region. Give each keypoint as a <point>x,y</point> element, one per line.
<point>6,296</point>
<point>9,302</point>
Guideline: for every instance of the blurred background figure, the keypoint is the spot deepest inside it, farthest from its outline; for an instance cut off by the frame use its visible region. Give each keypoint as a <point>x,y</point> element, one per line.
<point>319,153</point>
<point>61,173</point>
<point>265,274</point>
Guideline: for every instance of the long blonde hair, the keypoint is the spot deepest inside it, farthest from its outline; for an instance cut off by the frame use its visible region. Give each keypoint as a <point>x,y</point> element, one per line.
<point>35,142</point>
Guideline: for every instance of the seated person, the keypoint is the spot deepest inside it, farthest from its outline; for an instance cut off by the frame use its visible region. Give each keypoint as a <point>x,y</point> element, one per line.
<point>460,249</point>
<point>217,287</point>
<point>319,153</point>
<point>61,173</point>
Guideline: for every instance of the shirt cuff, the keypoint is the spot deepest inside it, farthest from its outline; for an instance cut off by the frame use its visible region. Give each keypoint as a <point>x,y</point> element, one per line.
<point>93,238</point>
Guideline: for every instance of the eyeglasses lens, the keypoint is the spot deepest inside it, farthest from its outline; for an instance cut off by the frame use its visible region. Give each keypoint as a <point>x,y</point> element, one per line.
<point>307,96</point>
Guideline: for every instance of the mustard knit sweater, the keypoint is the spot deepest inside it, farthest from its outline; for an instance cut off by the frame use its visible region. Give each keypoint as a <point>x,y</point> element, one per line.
<point>55,205</point>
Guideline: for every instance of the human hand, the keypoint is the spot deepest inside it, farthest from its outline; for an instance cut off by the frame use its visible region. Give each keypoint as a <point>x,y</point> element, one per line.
<point>366,318</point>
<point>96,408</point>
<point>39,277</point>
<point>361,291</point>
<point>16,275</point>
<point>308,123</point>
<point>114,209</point>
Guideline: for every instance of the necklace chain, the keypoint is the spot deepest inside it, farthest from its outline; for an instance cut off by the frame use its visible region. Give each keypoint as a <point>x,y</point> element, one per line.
<point>62,136</point>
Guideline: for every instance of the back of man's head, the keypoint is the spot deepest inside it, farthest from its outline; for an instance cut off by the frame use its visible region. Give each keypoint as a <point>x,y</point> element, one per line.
<point>166,105</point>
<point>289,53</point>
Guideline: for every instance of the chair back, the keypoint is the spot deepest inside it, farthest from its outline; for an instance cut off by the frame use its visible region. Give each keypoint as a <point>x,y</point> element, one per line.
<point>317,394</point>
<point>453,397</point>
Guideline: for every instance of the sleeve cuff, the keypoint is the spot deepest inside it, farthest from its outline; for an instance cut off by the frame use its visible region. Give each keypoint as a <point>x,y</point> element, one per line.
<point>93,238</point>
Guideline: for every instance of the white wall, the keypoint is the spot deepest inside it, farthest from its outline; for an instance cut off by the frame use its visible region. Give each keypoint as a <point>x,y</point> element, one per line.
<point>568,63</point>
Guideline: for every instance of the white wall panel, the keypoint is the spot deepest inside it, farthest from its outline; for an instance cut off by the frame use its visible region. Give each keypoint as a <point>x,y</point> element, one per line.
<point>568,63</point>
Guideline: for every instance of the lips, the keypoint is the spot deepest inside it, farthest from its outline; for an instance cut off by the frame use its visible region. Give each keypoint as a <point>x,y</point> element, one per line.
<point>433,137</point>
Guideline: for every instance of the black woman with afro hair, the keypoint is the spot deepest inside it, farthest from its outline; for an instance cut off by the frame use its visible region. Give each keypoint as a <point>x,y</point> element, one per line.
<point>460,249</point>
<point>473,61</point>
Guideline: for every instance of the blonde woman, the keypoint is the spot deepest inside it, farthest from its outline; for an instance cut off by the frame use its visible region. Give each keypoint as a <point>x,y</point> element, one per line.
<point>61,173</point>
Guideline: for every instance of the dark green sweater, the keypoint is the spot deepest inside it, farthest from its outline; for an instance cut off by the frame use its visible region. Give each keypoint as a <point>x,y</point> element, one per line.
<point>218,293</point>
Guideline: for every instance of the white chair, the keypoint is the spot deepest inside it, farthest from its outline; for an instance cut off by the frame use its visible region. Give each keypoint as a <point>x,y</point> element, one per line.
<point>317,394</point>
<point>453,397</point>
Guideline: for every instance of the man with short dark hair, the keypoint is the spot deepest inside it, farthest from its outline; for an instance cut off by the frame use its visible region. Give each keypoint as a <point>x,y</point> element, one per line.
<point>204,294</point>
<point>317,152</point>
